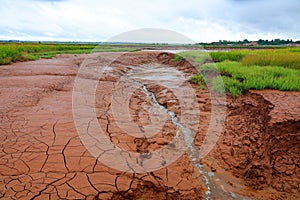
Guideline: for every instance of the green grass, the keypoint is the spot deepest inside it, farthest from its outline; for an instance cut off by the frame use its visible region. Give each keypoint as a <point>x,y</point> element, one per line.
<point>200,80</point>
<point>14,52</point>
<point>178,57</point>
<point>238,78</point>
<point>242,70</point>
<point>196,56</point>
<point>288,60</point>
<point>235,55</point>
<point>285,57</point>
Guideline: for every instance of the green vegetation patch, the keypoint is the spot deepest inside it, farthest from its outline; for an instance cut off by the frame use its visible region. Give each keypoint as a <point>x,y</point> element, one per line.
<point>200,80</point>
<point>196,56</point>
<point>242,70</point>
<point>284,57</point>
<point>178,57</point>
<point>230,55</point>
<point>288,60</point>
<point>238,78</point>
<point>14,52</point>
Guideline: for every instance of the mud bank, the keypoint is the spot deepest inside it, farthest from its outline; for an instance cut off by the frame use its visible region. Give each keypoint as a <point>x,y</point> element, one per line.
<point>44,157</point>
<point>260,143</point>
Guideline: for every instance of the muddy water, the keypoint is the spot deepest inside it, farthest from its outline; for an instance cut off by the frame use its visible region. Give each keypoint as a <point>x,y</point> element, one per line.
<point>192,150</point>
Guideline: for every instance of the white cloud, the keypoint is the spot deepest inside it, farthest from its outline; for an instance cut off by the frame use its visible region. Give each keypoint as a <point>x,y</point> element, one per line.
<point>93,20</point>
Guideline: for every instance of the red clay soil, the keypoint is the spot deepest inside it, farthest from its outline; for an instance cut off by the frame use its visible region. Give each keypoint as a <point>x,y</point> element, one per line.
<point>260,144</point>
<point>42,156</point>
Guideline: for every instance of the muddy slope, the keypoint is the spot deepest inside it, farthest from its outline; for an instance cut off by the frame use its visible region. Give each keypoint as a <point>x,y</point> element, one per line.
<point>260,141</point>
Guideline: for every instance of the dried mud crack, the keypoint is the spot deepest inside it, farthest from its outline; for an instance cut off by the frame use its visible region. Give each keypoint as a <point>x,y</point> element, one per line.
<point>43,157</point>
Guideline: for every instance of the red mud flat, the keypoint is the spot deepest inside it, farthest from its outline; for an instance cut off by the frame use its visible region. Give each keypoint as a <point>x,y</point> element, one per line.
<point>43,157</point>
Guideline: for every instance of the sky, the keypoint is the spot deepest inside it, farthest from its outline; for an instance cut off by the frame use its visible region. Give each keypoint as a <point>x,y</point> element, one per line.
<point>100,20</point>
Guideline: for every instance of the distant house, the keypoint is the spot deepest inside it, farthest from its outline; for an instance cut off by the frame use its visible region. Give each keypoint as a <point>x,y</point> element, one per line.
<point>293,45</point>
<point>250,44</point>
<point>245,44</point>
<point>254,43</point>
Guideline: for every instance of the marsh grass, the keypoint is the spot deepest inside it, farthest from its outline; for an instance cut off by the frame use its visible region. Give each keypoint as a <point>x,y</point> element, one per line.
<point>10,52</point>
<point>238,78</point>
<point>235,78</point>
<point>288,60</point>
<point>242,70</point>
<point>196,56</point>
<point>285,57</point>
<point>235,55</point>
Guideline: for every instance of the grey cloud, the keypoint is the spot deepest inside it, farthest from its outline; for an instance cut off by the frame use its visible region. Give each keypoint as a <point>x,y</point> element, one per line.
<point>266,16</point>
<point>204,20</point>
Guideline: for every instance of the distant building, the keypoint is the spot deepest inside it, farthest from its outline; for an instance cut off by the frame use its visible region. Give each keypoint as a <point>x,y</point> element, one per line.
<point>250,44</point>
<point>254,43</point>
<point>293,45</point>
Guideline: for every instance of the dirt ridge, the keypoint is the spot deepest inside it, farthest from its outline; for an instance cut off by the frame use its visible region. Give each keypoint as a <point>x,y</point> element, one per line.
<point>258,150</point>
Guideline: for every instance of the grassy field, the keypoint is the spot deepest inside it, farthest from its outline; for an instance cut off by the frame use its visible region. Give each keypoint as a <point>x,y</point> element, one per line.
<point>249,69</point>
<point>285,57</point>
<point>14,52</point>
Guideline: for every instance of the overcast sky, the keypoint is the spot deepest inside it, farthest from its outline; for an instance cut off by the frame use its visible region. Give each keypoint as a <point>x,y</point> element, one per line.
<point>99,20</point>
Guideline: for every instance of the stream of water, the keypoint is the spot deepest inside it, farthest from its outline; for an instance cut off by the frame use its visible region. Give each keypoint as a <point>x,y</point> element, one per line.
<point>192,150</point>
<point>173,79</point>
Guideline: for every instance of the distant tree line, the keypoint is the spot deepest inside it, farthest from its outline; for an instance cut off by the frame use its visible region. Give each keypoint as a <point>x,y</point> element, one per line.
<point>274,42</point>
<point>259,42</point>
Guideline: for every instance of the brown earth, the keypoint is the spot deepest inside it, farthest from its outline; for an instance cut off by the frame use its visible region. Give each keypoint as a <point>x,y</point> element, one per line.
<point>43,157</point>
<point>260,144</point>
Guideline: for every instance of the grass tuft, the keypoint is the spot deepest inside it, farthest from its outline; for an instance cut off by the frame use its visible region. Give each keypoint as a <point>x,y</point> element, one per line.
<point>199,80</point>
<point>178,57</point>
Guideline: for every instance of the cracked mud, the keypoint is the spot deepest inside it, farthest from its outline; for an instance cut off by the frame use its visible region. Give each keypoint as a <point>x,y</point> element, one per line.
<point>43,157</point>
